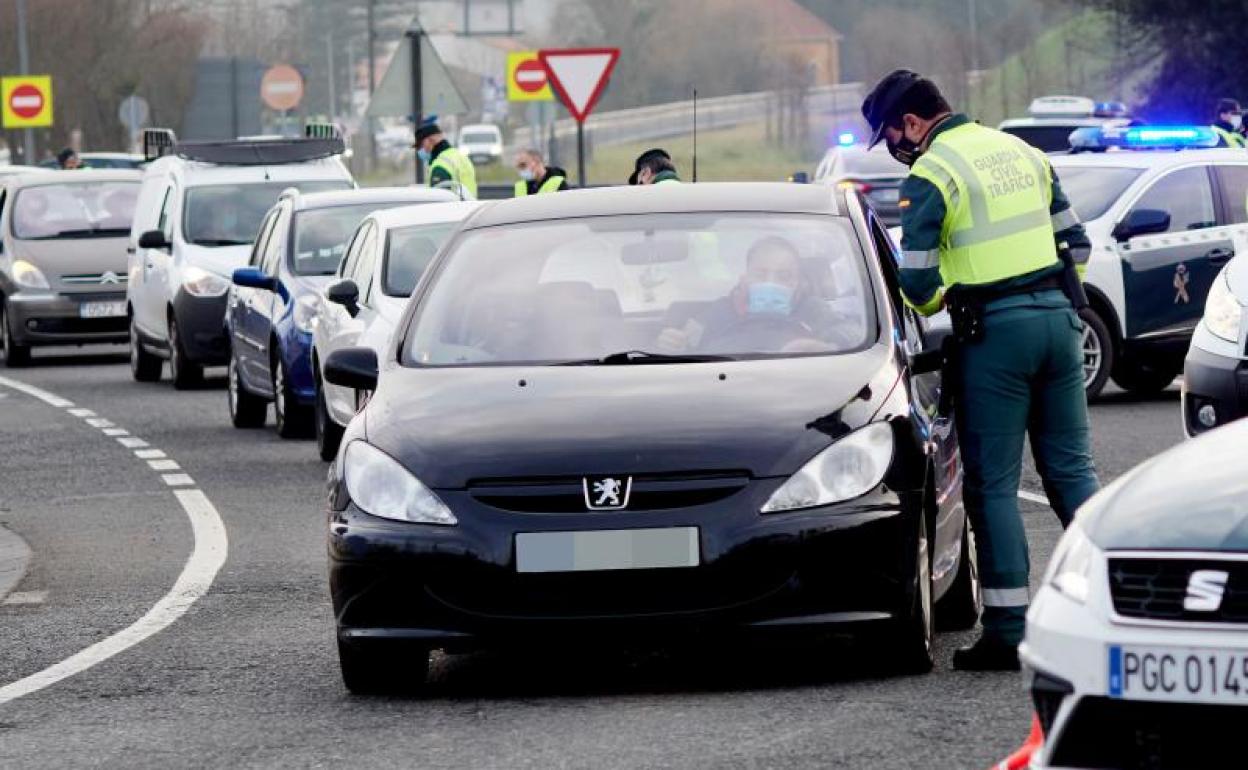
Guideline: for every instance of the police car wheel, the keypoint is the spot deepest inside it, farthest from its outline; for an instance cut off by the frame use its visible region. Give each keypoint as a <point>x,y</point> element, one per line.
<point>1097,350</point>
<point>960,607</point>
<point>1143,380</point>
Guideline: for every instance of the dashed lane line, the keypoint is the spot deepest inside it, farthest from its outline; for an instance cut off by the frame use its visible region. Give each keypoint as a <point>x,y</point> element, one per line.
<point>208,553</point>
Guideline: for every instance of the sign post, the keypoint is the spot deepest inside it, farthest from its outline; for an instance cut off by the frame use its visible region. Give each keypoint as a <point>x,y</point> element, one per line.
<point>133,114</point>
<point>579,76</point>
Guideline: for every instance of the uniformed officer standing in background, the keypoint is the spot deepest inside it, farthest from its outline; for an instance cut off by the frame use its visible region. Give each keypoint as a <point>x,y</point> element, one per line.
<point>654,167</point>
<point>446,163</point>
<point>1228,124</point>
<point>988,233</point>
<point>536,177</point>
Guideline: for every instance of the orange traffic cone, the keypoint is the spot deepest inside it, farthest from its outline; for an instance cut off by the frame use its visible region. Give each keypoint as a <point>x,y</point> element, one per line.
<point>1021,758</point>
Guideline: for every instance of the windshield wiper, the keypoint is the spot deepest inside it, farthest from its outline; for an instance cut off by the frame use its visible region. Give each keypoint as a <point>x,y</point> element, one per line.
<point>629,357</point>
<point>220,242</point>
<point>84,232</point>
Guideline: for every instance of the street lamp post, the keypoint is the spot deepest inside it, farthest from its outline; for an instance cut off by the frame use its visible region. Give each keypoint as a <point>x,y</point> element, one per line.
<point>23,64</point>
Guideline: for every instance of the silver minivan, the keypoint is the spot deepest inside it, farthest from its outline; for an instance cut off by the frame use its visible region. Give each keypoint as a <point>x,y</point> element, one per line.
<point>63,237</point>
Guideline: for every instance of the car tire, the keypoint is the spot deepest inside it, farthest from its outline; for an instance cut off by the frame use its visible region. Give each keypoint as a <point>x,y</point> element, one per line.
<point>328,432</point>
<point>247,410</point>
<point>1097,352</point>
<point>378,668</point>
<point>144,366</point>
<point>15,355</point>
<point>1143,380</point>
<point>182,371</point>
<point>960,607</point>
<point>293,420</point>
<point>909,641</point>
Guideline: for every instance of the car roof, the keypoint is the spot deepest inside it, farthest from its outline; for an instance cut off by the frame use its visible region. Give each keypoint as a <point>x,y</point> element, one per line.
<point>330,198</point>
<point>17,170</point>
<point>760,197</point>
<point>1148,158</point>
<point>113,155</point>
<point>78,175</point>
<point>425,214</point>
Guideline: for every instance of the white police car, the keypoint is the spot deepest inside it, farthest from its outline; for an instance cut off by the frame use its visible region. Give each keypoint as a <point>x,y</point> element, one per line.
<point>1162,225</point>
<point>1051,119</point>
<point>1215,374</point>
<point>1136,649</point>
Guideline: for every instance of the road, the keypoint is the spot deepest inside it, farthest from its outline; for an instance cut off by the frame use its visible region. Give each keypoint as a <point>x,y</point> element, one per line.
<point>248,676</point>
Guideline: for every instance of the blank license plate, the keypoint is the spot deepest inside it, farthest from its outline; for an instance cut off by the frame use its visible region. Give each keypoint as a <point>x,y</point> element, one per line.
<point>1178,674</point>
<point>608,549</point>
<point>102,309</point>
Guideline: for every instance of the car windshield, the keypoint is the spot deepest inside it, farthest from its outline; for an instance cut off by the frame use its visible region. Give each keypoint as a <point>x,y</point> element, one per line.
<point>872,162</point>
<point>75,210</point>
<point>321,235</point>
<point>409,250</point>
<point>230,214</point>
<point>646,288</point>
<point>479,138</point>
<point>1093,189</point>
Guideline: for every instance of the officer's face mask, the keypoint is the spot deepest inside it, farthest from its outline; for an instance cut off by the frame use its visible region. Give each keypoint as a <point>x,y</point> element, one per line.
<point>424,155</point>
<point>1236,121</point>
<point>525,173</point>
<point>769,299</point>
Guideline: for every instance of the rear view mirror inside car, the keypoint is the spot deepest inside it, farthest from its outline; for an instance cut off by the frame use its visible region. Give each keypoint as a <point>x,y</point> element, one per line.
<point>653,250</point>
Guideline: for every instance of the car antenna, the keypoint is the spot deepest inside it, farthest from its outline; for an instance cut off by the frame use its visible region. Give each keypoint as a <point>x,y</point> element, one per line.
<point>695,134</point>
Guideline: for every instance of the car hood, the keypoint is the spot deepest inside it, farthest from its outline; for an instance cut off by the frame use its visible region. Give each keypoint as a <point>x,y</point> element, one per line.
<point>450,426</point>
<point>74,256</point>
<point>1192,497</point>
<point>219,259</point>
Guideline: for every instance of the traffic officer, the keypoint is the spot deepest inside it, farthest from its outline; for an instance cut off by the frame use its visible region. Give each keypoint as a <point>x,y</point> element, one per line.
<point>654,167</point>
<point>446,163</point>
<point>536,177</point>
<point>68,159</point>
<point>988,233</point>
<point>1228,124</point>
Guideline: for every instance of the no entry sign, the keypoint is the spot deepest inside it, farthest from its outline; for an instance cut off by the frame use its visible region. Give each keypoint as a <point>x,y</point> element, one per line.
<point>281,88</point>
<point>526,78</point>
<point>26,101</point>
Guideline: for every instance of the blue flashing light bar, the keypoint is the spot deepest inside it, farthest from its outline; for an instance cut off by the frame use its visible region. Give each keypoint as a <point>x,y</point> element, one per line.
<point>845,138</point>
<point>1143,138</point>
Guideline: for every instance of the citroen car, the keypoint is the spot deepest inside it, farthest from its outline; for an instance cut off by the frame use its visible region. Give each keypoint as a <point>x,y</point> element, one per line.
<point>1136,646</point>
<point>648,413</point>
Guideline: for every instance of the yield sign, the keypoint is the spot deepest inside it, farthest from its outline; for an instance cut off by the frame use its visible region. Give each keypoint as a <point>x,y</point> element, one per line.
<point>579,75</point>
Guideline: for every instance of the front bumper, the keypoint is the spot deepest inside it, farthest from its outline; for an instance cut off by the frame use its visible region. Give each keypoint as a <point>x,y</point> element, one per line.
<point>47,318</point>
<point>458,587</point>
<point>1066,660</point>
<point>201,321</point>
<point>1216,384</point>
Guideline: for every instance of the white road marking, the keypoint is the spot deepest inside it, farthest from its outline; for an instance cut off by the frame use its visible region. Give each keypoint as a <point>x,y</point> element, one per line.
<point>116,432</point>
<point>178,480</point>
<point>82,412</point>
<point>209,550</point>
<point>1032,497</point>
<point>26,598</point>
<point>99,422</point>
<point>164,465</point>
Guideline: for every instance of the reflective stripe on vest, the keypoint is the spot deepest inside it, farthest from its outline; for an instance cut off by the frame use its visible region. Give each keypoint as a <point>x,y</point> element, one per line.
<point>997,191</point>
<point>1231,139</point>
<point>549,186</point>
<point>460,169</point>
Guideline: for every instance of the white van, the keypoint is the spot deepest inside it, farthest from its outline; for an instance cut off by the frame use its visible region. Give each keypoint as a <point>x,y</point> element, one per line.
<point>482,143</point>
<point>198,212</point>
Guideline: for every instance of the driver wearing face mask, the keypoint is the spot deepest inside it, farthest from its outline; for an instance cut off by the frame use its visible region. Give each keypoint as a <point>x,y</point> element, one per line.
<point>1229,124</point>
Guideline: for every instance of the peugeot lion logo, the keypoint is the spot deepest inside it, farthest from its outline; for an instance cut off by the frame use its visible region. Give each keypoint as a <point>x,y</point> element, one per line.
<point>1204,590</point>
<point>607,493</point>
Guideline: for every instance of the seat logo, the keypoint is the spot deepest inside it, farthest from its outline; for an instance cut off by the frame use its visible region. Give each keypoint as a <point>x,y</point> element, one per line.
<point>1205,588</point>
<point>606,493</point>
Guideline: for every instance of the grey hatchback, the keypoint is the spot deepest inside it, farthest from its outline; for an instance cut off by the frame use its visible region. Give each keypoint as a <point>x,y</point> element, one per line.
<point>63,237</point>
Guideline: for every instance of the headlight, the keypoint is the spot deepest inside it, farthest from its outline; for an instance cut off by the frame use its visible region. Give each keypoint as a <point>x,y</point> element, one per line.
<point>1222,309</point>
<point>29,276</point>
<point>1070,571</point>
<point>306,308</point>
<point>851,467</point>
<point>382,487</point>
<point>198,282</point>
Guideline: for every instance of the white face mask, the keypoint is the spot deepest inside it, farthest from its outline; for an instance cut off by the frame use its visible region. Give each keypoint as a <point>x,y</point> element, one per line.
<point>1237,121</point>
<point>526,174</point>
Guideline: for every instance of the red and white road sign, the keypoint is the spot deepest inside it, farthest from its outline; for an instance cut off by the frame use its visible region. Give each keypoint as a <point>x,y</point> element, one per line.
<point>530,76</point>
<point>26,101</point>
<point>281,88</point>
<point>579,75</point>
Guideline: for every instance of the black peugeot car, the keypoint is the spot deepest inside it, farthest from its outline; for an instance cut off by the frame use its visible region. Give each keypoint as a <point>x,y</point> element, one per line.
<point>648,412</point>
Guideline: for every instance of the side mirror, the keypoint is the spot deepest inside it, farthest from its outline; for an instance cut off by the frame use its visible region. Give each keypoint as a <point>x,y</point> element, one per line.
<point>936,330</point>
<point>799,177</point>
<point>154,239</point>
<point>352,368</point>
<point>1142,222</point>
<point>254,278</point>
<point>345,293</point>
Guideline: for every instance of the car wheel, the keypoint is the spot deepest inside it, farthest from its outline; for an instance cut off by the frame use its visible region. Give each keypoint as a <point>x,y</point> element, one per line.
<point>247,410</point>
<point>328,432</point>
<point>908,643</point>
<point>1097,347</point>
<point>960,607</point>
<point>293,420</point>
<point>144,366</point>
<point>182,371</point>
<point>14,354</point>
<point>1143,380</point>
<point>377,668</point>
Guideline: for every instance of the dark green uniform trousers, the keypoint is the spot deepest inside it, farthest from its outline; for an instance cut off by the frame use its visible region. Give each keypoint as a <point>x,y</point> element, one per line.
<point>1024,376</point>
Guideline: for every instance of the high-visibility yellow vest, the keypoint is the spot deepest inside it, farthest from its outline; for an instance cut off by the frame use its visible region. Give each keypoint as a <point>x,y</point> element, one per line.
<point>550,185</point>
<point>460,169</point>
<point>1231,138</point>
<point>997,191</point>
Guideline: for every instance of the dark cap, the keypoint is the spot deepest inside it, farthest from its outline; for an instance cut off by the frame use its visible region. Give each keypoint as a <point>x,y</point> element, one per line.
<point>64,155</point>
<point>428,127</point>
<point>1227,105</point>
<point>645,158</point>
<point>880,104</point>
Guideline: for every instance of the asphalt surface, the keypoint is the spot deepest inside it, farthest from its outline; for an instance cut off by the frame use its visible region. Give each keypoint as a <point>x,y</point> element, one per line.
<point>248,677</point>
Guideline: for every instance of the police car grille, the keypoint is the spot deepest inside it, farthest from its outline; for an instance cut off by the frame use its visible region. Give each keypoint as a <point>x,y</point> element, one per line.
<point>1137,735</point>
<point>90,279</point>
<point>1155,589</point>
<point>652,492</point>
